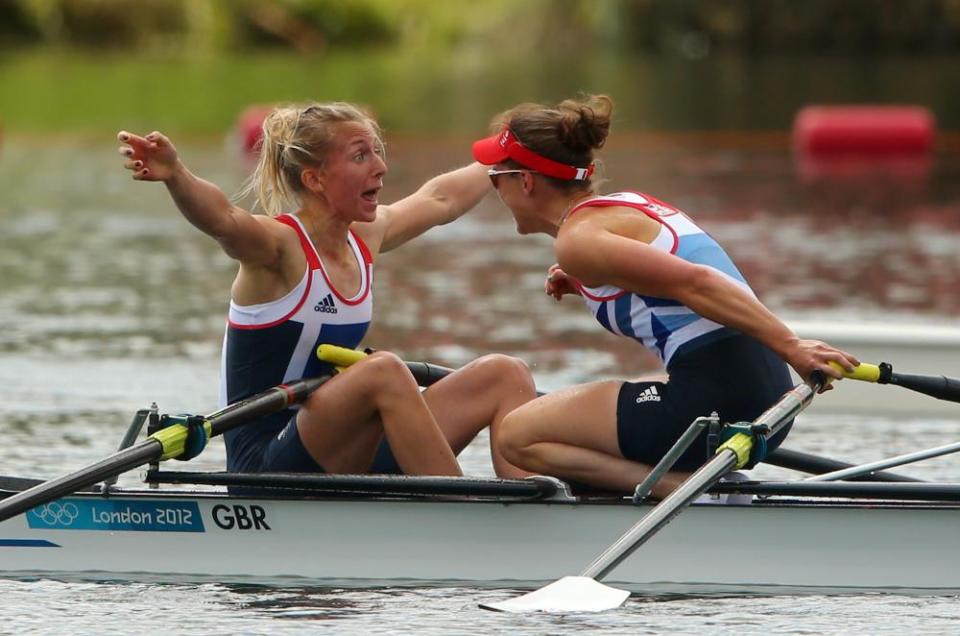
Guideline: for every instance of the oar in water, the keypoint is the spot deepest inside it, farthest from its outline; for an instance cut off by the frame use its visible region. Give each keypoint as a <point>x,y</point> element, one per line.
<point>164,444</point>
<point>585,593</point>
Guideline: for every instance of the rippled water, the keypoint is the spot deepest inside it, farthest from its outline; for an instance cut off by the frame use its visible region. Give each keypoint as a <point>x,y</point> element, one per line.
<point>109,301</point>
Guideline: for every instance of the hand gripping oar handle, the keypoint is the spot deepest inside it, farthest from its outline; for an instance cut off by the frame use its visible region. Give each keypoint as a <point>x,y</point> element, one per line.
<point>423,372</point>
<point>938,386</point>
<point>732,454</point>
<point>164,444</point>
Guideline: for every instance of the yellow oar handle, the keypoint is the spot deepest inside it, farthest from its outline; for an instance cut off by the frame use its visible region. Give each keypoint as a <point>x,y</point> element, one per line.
<point>339,357</point>
<point>864,372</point>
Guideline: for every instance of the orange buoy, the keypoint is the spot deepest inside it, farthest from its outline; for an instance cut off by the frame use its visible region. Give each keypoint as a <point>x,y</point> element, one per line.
<point>249,128</point>
<point>865,131</point>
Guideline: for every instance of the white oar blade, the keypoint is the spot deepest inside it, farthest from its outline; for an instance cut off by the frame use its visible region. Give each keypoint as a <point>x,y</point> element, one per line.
<point>569,594</point>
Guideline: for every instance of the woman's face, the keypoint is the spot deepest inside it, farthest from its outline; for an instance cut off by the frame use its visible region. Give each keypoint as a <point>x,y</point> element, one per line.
<point>352,173</point>
<point>509,187</point>
<point>512,188</point>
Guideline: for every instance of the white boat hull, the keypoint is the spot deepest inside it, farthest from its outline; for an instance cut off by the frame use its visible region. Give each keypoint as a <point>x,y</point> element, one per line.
<point>708,547</point>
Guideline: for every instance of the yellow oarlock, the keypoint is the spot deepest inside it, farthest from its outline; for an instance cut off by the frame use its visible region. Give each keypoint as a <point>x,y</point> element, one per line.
<point>173,439</point>
<point>742,445</point>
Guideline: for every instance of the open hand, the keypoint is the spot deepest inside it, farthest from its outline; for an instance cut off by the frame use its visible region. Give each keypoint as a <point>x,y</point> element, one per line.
<point>150,158</point>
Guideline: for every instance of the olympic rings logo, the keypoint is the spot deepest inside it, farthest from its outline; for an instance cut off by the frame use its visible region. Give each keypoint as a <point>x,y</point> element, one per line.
<point>57,514</point>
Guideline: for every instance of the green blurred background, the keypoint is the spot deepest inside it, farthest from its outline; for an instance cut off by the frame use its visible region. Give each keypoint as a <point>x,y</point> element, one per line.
<point>190,66</point>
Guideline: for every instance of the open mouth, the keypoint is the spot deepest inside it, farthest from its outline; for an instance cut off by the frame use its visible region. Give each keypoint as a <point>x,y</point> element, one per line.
<point>371,194</point>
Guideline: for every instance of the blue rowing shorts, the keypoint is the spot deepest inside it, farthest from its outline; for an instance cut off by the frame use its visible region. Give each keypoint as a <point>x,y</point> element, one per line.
<point>285,453</point>
<point>736,376</point>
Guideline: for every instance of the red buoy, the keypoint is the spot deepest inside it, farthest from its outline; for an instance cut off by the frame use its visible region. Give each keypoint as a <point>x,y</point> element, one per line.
<point>249,128</point>
<point>865,131</point>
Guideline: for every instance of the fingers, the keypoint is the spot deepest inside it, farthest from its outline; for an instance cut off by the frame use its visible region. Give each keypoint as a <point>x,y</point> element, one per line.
<point>156,137</point>
<point>550,288</point>
<point>154,140</point>
<point>133,141</point>
<point>138,150</point>
<point>835,362</point>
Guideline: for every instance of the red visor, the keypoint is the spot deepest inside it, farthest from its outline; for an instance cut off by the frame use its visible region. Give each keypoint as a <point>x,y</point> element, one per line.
<point>504,145</point>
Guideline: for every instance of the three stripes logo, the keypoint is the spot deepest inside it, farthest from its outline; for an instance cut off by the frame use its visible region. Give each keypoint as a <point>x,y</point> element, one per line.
<point>649,394</point>
<point>326,305</point>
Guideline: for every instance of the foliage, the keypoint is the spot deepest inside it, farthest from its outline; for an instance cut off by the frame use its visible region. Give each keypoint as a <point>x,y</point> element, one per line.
<point>690,28</point>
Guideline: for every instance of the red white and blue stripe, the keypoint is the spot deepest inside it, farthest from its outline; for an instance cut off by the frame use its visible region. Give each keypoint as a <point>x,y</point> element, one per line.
<point>662,325</point>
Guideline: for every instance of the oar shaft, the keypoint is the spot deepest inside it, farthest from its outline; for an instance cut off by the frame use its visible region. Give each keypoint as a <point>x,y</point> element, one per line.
<point>938,386</point>
<point>426,373</point>
<point>708,474</point>
<point>158,446</point>
<point>787,407</point>
<point>726,459</point>
<point>143,453</point>
<point>269,401</point>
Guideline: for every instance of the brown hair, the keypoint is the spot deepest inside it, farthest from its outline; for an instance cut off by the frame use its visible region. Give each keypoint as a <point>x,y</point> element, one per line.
<point>294,137</point>
<point>568,133</point>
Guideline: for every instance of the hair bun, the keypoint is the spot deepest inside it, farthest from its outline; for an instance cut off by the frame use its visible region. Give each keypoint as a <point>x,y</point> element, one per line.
<point>584,124</point>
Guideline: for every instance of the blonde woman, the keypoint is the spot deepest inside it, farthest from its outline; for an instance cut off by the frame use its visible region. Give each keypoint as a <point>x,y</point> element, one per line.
<point>649,273</point>
<point>305,277</point>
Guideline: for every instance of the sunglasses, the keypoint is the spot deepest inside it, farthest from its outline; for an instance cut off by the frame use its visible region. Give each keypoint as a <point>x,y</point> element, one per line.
<point>495,174</point>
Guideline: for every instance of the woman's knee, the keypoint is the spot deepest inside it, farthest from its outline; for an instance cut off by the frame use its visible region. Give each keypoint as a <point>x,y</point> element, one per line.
<point>497,368</point>
<point>385,372</point>
<point>515,437</point>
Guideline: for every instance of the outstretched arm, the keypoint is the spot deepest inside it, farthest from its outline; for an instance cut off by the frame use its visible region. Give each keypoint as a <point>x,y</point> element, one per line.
<point>593,254</point>
<point>440,200</point>
<point>242,236</point>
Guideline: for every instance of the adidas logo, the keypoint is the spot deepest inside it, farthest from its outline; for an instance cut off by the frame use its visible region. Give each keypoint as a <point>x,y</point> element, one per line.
<point>649,394</point>
<point>326,305</point>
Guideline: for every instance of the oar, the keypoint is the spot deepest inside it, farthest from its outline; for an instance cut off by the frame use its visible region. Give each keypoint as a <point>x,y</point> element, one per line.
<point>425,373</point>
<point>938,386</point>
<point>585,593</point>
<point>164,444</point>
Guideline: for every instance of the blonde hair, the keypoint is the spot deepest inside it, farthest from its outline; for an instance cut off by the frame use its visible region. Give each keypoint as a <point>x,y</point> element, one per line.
<point>297,136</point>
<point>569,132</point>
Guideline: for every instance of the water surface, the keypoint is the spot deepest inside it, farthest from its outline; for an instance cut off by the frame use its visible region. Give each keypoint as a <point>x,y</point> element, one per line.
<point>110,301</point>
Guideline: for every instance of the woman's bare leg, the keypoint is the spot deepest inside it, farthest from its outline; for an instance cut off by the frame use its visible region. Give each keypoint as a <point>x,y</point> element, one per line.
<point>479,395</point>
<point>572,434</point>
<point>342,423</point>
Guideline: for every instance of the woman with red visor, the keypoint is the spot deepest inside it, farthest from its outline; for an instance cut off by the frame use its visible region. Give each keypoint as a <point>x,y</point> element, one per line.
<point>649,273</point>
<point>305,278</point>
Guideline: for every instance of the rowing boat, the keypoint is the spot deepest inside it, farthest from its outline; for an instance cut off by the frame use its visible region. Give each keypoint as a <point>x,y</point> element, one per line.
<point>828,532</point>
<point>363,530</point>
